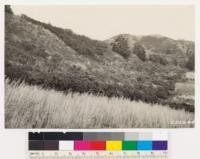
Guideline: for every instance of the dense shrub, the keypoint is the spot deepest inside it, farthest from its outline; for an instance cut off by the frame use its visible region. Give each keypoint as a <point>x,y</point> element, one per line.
<point>190,63</point>
<point>121,46</point>
<point>158,59</point>
<point>139,51</point>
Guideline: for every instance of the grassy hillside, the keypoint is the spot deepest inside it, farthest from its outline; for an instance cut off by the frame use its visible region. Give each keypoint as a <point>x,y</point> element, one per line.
<point>56,58</point>
<point>34,107</point>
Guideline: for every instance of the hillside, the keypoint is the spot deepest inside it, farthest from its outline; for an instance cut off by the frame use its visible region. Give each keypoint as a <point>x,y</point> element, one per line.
<point>56,58</point>
<point>158,48</point>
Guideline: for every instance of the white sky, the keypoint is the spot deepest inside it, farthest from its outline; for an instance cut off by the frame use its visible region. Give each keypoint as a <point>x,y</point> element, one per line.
<point>103,22</point>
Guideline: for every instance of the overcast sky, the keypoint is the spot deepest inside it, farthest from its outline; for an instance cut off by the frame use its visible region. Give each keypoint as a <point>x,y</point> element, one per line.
<point>103,22</point>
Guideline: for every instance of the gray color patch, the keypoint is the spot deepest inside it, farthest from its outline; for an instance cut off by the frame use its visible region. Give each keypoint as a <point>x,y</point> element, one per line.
<point>90,136</point>
<point>131,136</point>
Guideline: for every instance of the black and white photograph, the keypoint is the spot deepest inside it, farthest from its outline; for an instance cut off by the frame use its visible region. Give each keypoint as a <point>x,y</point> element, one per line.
<point>99,66</point>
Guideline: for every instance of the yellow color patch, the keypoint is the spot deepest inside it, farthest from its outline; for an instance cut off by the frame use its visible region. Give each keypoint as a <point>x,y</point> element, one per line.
<point>114,145</point>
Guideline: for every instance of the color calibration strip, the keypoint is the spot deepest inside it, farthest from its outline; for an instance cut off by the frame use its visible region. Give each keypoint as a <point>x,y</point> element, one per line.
<point>98,143</point>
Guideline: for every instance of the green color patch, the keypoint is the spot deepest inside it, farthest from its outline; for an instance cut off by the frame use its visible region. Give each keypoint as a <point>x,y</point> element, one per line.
<point>129,145</point>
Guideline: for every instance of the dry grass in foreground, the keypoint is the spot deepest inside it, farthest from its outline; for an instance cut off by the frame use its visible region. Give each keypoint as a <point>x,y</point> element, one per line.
<point>34,107</point>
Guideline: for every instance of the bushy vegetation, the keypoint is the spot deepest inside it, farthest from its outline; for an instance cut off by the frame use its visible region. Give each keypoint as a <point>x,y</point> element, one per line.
<point>121,46</point>
<point>139,51</point>
<point>78,81</point>
<point>34,107</point>
<point>158,59</point>
<point>191,63</point>
<point>80,43</point>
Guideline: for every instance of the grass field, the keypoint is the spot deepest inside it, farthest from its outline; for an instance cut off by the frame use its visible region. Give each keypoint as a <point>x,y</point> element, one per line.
<point>34,107</point>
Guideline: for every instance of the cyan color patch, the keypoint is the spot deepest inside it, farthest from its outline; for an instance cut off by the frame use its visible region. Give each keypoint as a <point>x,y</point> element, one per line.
<point>144,145</point>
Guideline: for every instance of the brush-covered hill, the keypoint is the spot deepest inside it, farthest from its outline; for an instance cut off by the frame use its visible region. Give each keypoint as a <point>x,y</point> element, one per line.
<point>138,68</point>
<point>158,48</point>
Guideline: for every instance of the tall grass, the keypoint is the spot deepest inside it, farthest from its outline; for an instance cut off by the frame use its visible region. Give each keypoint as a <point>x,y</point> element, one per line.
<point>34,107</point>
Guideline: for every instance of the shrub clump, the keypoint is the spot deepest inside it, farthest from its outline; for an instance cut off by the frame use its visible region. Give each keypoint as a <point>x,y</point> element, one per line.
<point>139,51</point>
<point>190,63</point>
<point>121,46</point>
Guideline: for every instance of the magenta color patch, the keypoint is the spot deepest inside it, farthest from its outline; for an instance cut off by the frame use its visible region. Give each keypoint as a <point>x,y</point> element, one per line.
<point>81,145</point>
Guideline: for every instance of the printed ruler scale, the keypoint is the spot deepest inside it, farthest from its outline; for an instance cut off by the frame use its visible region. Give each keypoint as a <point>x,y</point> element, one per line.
<point>98,145</point>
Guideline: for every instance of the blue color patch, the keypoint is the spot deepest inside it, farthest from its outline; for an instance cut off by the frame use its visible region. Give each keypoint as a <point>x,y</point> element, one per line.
<point>144,145</point>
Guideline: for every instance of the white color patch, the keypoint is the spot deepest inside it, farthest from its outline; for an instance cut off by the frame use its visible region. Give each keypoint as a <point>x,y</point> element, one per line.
<point>66,145</point>
<point>160,136</point>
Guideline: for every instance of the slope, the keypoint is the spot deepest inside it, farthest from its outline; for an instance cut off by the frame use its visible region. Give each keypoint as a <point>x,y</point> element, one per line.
<point>52,57</point>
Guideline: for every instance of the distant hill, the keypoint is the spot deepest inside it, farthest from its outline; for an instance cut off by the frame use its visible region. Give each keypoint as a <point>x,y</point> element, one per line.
<point>159,48</point>
<point>138,68</point>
